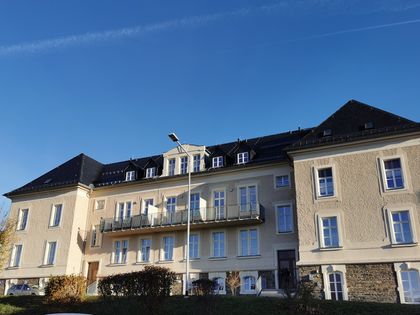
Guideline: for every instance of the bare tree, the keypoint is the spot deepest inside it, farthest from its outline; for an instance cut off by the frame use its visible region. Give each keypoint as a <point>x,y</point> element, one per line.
<point>7,237</point>
<point>234,281</point>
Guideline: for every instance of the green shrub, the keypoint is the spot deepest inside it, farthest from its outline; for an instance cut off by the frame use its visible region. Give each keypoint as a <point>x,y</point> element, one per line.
<point>204,287</point>
<point>65,289</point>
<point>151,281</point>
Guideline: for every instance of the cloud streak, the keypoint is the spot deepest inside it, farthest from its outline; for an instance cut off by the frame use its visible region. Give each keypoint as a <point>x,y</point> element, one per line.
<point>355,30</point>
<point>46,45</point>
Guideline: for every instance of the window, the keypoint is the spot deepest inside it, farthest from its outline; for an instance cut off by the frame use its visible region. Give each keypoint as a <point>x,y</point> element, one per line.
<point>130,175</point>
<point>22,219</point>
<point>123,211</point>
<point>56,215</point>
<point>171,204</point>
<point>220,285</point>
<point>168,247</point>
<point>325,182</point>
<point>330,232</point>
<point>100,205</point>
<point>248,242</point>
<point>282,181</point>
<point>401,227</point>
<point>196,163</point>
<point>336,286</point>
<point>219,204</point>
<point>411,286</point>
<point>150,172</point>
<point>94,241</point>
<point>218,244</point>
<point>393,174</point>
<point>284,219</point>
<point>184,165</point>
<point>217,161</point>
<point>248,198</point>
<point>147,203</point>
<point>120,252</point>
<point>243,157</point>
<point>49,258</point>
<point>16,255</point>
<point>195,204</point>
<point>249,284</point>
<point>145,250</point>
<point>171,167</point>
<point>194,246</point>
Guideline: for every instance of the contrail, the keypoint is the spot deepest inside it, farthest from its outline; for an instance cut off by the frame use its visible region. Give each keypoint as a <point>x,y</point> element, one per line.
<point>360,29</point>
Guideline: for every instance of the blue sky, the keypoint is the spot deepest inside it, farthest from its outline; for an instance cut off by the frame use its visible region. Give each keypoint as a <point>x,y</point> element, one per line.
<point>112,79</point>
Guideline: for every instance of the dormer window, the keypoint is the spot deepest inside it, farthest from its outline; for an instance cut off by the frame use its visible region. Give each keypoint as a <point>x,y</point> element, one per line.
<point>217,161</point>
<point>327,133</point>
<point>196,163</point>
<point>243,157</point>
<point>184,165</point>
<point>130,176</point>
<point>150,172</point>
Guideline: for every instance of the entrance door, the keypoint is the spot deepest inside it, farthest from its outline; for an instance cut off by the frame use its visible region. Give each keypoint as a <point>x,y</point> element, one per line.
<point>92,272</point>
<point>286,262</point>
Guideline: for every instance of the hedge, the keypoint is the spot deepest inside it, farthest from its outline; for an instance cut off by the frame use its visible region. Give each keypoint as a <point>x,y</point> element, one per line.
<point>151,281</point>
<point>65,289</point>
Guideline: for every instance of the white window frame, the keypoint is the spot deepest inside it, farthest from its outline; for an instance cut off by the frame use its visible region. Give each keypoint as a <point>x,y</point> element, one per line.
<point>162,249</point>
<point>97,201</point>
<point>321,230</point>
<point>326,271</point>
<point>125,215</point>
<point>151,172</point>
<point>248,250</point>
<point>334,179</point>
<point>413,223</point>
<point>120,256</point>
<point>283,186</point>
<point>382,161</point>
<point>146,205</point>
<point>12,262</point>
<point>47,253</point>
<point>248,203</point>
<point>53,215</point>
<point>196,163</point>
<point>243,275</point>
<point>221,275</point>
<point>130,176</point>
<point>20,219</point>
<point>140,251</point>
<point>181,164</point>
<point>242,158</point>
<point>171,171</point>
<point>224,244</point>
<point>217,212</point>
<point>217,161</point>
<point>405,266</point>
<point>174,204</point>
<point>198,246</point>
<point>94,236</point>
<point>285,204</point>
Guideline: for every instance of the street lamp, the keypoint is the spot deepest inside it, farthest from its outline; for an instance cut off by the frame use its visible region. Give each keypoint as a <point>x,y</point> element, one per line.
<point>174,138</point>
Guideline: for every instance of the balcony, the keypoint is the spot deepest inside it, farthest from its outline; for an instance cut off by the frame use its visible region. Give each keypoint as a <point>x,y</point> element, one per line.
<point>172,221</point>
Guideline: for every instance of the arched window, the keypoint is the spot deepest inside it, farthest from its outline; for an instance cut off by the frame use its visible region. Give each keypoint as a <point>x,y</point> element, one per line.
<point>411,285</point>
<point>249,283</point>
<point>220,285</point>
<point>336,286</point>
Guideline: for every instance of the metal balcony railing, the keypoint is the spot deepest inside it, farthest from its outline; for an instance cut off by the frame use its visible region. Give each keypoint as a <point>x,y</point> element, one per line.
<point>163,218</point>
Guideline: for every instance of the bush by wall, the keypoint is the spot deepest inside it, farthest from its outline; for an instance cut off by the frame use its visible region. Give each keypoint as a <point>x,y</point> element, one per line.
<point>204,287</point>
<point>151,281</point>
<point>65,289</point>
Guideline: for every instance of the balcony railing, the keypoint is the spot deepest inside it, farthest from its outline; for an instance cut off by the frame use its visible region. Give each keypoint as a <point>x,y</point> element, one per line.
<point>228,214</point>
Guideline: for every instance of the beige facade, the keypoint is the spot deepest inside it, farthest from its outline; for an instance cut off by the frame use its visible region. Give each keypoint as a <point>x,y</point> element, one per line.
<point>363,207</point>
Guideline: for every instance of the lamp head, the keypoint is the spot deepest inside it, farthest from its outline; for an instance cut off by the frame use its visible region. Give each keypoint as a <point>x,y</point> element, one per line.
<point>173,137</point>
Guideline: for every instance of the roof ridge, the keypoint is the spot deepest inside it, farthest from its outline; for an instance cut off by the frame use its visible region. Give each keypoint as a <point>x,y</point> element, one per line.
<point>379,109</point>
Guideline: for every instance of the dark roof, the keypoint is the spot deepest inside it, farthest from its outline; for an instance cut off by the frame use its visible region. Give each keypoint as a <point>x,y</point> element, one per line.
<point>85,170</point>
<point>80,169</point>
<point>352,122</point>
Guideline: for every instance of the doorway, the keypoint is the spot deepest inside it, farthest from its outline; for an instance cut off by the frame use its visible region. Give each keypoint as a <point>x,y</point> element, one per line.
<point>286,264</point>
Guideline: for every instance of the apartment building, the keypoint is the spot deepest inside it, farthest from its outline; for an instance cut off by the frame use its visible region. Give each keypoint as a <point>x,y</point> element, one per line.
<point>337,205</point>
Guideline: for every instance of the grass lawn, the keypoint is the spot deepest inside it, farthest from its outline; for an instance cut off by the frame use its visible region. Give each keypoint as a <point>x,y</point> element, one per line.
<point>201,306</point>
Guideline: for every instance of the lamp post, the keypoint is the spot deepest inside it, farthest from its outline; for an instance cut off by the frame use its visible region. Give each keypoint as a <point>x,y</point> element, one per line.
<point>174,138</point>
